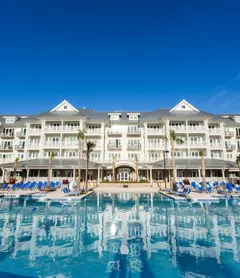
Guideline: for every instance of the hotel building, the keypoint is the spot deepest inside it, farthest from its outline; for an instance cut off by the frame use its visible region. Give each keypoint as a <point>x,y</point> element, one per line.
<point>124,136</point>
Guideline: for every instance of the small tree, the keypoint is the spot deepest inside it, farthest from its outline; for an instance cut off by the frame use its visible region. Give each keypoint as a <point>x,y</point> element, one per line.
<point>90,146</point>
<point>174,139</point>
<point>202,154</point>
<point>113,170</point>
<point>51,157</point>
<point>136,158</point>
<point>238,162</point>
<point>15,167</point>
<point>80,139</point>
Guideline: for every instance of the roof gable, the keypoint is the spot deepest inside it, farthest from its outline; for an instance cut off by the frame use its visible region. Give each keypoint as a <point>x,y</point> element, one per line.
<point>184,106</point>
<point>64,106</point>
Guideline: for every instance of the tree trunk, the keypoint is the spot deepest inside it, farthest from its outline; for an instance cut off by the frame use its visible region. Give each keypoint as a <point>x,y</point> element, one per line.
<point>49,173</point>
<point>86,179</point>
<point>173,185</point>
<point>113,172</point>
<point>136,171</point>
<point>79,165</point>
<point>203,173</point>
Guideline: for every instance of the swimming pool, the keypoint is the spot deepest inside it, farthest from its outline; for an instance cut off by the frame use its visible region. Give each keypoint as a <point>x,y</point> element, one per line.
<point>125,235</point>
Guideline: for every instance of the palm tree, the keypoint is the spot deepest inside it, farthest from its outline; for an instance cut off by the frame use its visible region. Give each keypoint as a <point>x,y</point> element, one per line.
<point>113,169</point>
<point>51,157</point>
<point>80,138</point>
<point>179,141</point>
<point>90,146</point>
<point>15,167</point>
<point>202,154</point>
<point>136,157</point>
<point>238,162</point>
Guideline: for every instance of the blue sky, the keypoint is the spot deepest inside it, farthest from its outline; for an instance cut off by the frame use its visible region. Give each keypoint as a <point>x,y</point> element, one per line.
<point>119,55</point>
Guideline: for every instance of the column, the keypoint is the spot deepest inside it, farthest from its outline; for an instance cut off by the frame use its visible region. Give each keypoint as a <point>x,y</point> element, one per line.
<point>3,174</point>
<point>151,180</point>
<point>74,175</point>
<point>28,170</point>
<point>147,174</point>
<point>98,177</point>
<point>223,174</point>
<point>199,174</point>
<point>101,174</point>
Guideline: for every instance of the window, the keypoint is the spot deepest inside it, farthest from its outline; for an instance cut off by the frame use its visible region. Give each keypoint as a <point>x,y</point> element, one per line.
<point>65,107</point>
<point>237,120</point>
<point>114,117</point>
<point>9,121</point>
<point>133,117</point>
<point>183,106</point>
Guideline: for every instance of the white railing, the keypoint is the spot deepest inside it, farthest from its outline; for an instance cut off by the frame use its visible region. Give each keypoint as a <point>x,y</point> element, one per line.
<point>34,131</point>
<point>32,156</point>
<point>9,148</point>
<point>137,146</point>
<point>214,130</point>
<point>197,143</point>
<point>229,133</point>
<point>52,128</point>
<point>52,144</point>
<point>217,145</point>
<point>21,134</point>
<point>19,148</point>
<point>230,147</point>
<point>178,128</point>
<point>69,128</point>
<point>113,146</point>
<point>196,128</point>
<point>155,131</point>
<point>33,145</point>
<point>6,160</point>
<point>134,131</point>
<point>94,131</point>
<point>10,134</point>
<point>112,131</point>
<point>69,144</point>
<point>156,146</point>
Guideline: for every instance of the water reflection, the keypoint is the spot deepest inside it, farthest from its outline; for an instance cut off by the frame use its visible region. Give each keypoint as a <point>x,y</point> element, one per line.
<point>120,236</point>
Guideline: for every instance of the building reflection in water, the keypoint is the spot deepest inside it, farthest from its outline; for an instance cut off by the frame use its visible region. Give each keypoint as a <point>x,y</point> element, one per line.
<point>110,234</point>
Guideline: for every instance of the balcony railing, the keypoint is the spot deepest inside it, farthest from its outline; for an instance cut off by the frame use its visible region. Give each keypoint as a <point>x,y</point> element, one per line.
<point>134,131</point>
<point>230,147</point>
<point>178,128</point>
<point>197,143</point>
<point>21,134</point>
<point>114,132</point>
<point>19,148</point>
<point>53,128</point>
<point>32,145</point>
<point>93,131</point>
<point>6,148</point>
<point>114,146</point>
<point>69,144</point>
<point>196,129</point>
<point>34,131</point>
<point>52,144</point>
<point>6,160</point>
<point>69,128</point>
<point>214,130</point>
<point>134,146</point>
<point>155,131</point>
<point>155,146</point>
<point>216,145</point>
<point>229,133</point>
<point>7,135</point>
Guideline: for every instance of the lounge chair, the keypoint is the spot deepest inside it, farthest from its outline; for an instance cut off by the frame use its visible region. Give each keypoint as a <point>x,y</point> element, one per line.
<point>185,192</point>
<point>5,187</point>
<point>208,186</point>
<point>237,188</point>
<point>200,187</point>
<point>32,185</point>
<point>68,192</point>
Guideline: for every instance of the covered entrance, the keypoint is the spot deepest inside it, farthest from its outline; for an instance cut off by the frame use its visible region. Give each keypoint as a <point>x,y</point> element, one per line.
<point>123,174</point>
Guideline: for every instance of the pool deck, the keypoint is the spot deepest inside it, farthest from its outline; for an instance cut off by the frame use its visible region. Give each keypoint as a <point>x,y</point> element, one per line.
<point>140,190</point>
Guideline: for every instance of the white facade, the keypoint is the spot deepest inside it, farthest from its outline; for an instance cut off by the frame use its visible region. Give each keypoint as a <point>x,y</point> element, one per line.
<point>120,135</point>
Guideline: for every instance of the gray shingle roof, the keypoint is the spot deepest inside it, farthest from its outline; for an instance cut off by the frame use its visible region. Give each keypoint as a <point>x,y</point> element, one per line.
<point>42,163</point>
<point>195,163</point>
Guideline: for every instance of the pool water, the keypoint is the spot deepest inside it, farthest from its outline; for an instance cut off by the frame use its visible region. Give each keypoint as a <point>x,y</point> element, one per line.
<point>125,235</point>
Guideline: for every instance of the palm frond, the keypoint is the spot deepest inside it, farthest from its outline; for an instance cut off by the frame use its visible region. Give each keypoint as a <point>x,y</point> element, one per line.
<point>51,156</point>
<point>179,141</point>
<point>81,134</point>
<point>172,135</point>
<point>201,153</point>
<point>238,159</point>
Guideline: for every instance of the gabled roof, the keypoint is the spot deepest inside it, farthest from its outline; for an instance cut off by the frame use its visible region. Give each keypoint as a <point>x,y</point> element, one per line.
<point>184,106</point>
<point>64,106</point>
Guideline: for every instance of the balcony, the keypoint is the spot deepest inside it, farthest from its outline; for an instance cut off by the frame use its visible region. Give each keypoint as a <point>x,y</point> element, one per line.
<point>6,148</point>
<point>52,144</point>
<point>198,144</point>
<point>229,133</point>
<point>19,148</point>
<point>6,160</point>
<point>68,144</point>
<point>156,146</point>
<point>53,128</point>
<point>217,146</point>
<point>196,129</point>
<point>95,131</point>
<point>33,145</point>
<point>157,131</point>
<point>7,135</point>
<point>114,147</point>
<point>21,134</point>
<point>34,131</point>
<point>134,132</point>
<point>69,128</point>
<point>134,147</point>
<point>178,128</point>
<point>230,148</point>
<point>113,132</point>
<point>214,130</point>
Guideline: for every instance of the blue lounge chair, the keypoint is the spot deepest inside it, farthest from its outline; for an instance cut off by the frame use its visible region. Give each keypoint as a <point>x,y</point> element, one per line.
<point>194,185</point>
<point>52,184</point>
<point>229,187</point>
<point>68,192</point>
<point>32,185</point>
<point>208,186</point>
<point>199,187</point>
<point>57,184</point>
<point>5,186</point>
<point>45,184</point>
<point>40,185</point>
<point>185,192</point>
<point>14,186</point>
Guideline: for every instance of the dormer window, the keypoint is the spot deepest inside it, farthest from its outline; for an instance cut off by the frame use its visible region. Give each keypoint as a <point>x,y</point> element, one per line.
<point>9,121</point>
<point>183,107</point>
<point>65,107</point>
<point>133,116</point>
